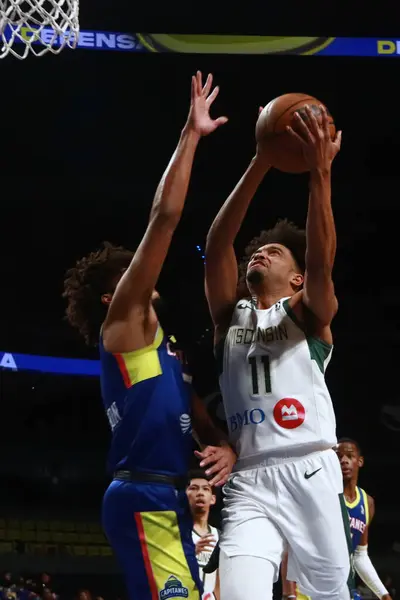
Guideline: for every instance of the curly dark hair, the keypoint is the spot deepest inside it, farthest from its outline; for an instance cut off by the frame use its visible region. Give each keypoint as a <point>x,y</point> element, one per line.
<point>284,232</point>
<point>84,284</point>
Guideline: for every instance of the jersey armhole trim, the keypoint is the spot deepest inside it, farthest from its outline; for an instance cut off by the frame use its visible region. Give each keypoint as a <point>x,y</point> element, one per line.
<point>366,507</point>
<point>140,365</point>
<point>319,349</point>
<point>158,338</point>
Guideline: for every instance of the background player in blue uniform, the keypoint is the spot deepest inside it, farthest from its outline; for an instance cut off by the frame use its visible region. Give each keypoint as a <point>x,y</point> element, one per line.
<point>361,509</point>
<point>145,389</point>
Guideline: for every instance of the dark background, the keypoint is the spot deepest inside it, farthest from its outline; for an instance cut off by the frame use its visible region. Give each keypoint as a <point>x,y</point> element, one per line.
<point>85,139</point>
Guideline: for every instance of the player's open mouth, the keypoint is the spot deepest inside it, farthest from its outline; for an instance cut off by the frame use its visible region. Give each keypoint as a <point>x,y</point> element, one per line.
<point>259,261</point>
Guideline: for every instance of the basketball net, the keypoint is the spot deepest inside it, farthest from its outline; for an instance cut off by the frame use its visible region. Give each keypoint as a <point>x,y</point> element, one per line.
<point>37,26</point>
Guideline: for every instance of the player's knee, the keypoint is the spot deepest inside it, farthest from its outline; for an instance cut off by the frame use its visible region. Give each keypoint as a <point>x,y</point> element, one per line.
<point>246,577</point>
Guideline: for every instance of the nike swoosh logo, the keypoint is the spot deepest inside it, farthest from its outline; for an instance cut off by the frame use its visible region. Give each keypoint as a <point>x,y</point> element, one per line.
<point>308,475</point>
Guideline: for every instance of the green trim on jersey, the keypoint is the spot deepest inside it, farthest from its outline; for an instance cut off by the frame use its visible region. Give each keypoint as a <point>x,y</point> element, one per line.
<point>351,581</point>
<point>319,350</point>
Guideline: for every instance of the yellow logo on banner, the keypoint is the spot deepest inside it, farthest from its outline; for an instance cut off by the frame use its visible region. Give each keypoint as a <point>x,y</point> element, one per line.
<point>233,44</point>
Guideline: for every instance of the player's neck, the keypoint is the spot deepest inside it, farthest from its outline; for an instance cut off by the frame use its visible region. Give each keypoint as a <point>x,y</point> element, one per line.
<point>201,522</point>
<point>350,490</point>
<point>266,299</point>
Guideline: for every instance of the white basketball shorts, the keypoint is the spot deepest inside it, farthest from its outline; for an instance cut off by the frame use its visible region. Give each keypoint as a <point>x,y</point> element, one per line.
<point>295,504</point>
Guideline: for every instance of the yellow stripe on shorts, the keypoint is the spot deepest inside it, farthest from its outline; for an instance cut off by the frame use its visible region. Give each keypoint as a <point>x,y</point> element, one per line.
<point>166,555</point>
<point>300,596</point>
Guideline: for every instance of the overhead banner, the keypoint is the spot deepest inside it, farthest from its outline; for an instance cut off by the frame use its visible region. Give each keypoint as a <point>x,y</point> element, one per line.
<point>221,44</point>
<point>12,361</point>
<point>252,44</point>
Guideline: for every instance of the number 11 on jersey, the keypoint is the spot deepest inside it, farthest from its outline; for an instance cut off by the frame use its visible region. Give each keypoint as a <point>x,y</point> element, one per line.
<point>260,374</point>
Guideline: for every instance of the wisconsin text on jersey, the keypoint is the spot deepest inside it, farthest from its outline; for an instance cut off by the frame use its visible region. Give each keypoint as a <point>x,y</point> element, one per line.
<point>244,335</point>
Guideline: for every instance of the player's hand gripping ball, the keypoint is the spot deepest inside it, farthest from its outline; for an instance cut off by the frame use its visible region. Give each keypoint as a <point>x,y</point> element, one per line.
<point>284,151</point>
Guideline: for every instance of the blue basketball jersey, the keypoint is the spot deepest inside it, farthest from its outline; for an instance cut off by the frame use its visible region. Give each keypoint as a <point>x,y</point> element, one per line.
<point>146,396</point>
<point>359,516</point>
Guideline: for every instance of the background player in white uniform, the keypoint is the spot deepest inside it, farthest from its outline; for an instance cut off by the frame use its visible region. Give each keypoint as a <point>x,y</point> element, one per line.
<point>274,347</point>
<point>205,536</point>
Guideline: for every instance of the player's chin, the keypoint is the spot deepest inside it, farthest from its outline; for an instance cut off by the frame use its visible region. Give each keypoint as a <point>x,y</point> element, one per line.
<point>256,274</point>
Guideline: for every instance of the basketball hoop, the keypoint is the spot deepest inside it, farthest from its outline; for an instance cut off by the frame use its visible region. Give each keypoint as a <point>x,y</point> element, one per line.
<point>38,26</point>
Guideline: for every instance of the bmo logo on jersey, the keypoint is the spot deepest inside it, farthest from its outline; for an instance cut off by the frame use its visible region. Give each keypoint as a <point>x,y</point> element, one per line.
<point>248,417</point>
<point>289,413</point>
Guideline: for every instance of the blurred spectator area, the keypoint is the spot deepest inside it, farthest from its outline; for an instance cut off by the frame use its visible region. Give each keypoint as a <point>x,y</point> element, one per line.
<point>40,537</point>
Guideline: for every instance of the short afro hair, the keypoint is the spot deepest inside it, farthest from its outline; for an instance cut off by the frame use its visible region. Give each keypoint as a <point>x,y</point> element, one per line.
<point>285,233</point>
<point>347,440</point>
<point>84,284</point>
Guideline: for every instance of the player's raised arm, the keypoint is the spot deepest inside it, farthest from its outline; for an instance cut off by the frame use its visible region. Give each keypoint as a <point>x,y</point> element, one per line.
<point>319,151</point>
<point>132,298</point>
<point>221,266</point>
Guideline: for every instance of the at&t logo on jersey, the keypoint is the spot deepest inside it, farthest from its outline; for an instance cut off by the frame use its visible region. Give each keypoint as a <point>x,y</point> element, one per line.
<point>173,588</point>
<point>185,423</point>
<point>113,415</point>
<point>289,413</point>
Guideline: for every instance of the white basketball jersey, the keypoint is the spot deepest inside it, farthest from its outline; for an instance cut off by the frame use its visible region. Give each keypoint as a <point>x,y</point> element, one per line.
<point>273,385</point>
<point>208,579</point>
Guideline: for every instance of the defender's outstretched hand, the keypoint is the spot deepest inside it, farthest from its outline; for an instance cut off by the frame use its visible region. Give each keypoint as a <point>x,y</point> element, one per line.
<point>219,461</point>
<point>314,136</point>
<point>201,100</point>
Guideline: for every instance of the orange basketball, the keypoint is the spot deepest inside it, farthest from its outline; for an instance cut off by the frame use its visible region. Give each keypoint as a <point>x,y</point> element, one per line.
<point>284,150</point>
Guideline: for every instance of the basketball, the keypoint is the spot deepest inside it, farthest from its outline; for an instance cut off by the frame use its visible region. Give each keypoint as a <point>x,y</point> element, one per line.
<point>284,149</point>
